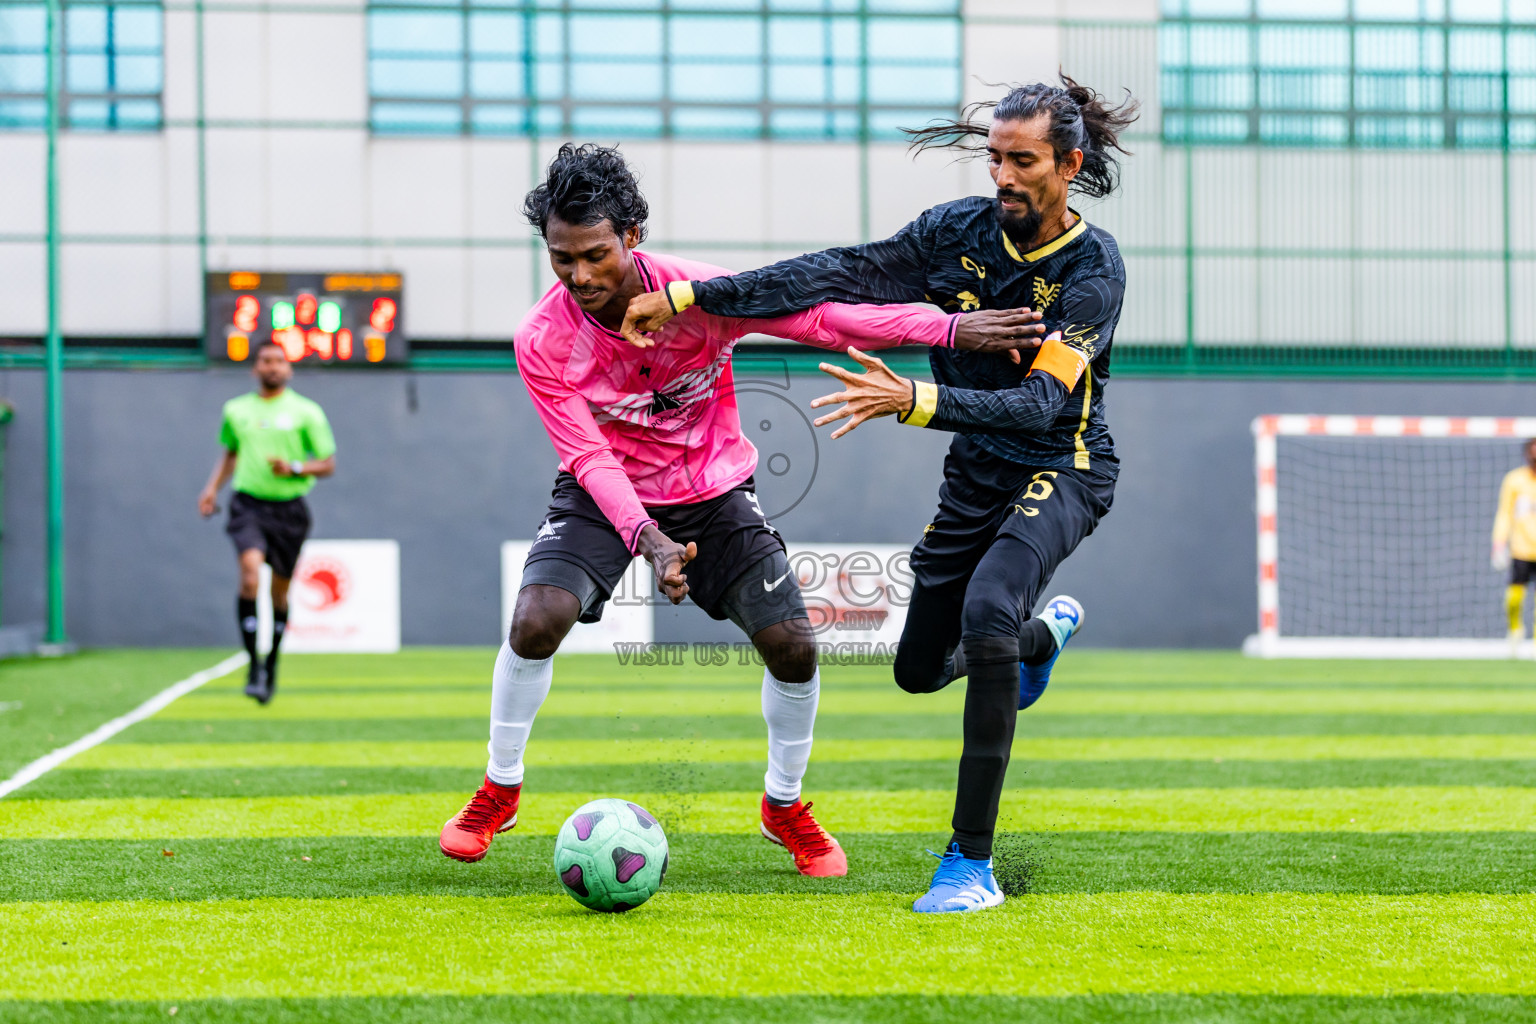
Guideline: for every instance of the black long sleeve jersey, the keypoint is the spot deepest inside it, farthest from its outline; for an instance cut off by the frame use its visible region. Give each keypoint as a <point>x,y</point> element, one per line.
<point>957,256</point>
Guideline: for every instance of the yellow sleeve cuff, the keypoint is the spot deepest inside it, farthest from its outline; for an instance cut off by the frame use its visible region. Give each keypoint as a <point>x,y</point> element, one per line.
<point>925,404</point>
<point>680,295</point>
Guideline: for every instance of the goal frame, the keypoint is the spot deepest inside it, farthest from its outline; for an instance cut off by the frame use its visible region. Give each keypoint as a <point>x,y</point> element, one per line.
<point>1269,642</point>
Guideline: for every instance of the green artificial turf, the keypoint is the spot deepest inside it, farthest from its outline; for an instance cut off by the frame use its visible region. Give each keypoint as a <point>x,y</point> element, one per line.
<point>1060,862</point>
<point>1032,750</point>
<point>931,1009</point>
<point>1190,837</point>
<point>48,702</point>
<point>773,944</point>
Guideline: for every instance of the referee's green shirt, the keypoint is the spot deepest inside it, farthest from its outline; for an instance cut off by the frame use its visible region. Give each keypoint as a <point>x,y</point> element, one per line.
<point>289,426</point>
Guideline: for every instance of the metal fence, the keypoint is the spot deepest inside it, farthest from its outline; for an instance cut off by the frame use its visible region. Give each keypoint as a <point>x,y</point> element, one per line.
<point>1317,252</point>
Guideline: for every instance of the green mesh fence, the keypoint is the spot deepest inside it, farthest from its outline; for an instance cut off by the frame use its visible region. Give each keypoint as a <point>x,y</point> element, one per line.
<point>1344,197</point>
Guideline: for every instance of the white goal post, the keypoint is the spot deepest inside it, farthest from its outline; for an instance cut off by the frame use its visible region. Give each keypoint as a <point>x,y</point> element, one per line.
<point>1374,535</point>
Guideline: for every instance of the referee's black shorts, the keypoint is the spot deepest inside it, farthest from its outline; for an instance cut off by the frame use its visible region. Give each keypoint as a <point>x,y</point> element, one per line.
<point>985,496</point>
<point>275,528</point>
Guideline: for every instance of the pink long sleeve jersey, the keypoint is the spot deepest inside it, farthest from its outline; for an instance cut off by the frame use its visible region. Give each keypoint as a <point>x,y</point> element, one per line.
<point>659,426</point>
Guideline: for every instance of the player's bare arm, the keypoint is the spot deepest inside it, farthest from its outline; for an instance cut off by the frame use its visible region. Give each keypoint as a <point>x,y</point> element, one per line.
<point>223,469</point>
<point>317,468</point>
<point>999,330</point>
<point>668,559</point>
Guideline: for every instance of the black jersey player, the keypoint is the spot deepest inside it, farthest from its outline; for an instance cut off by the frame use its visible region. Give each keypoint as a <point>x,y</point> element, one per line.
<point>1032,467</point>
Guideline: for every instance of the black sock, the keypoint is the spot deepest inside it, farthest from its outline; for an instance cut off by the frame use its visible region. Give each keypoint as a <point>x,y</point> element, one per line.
<point>279,627</point>
<point>1036,643</point>
<point>956,664</point>
<point>245,615</point>
<point>991,708</point>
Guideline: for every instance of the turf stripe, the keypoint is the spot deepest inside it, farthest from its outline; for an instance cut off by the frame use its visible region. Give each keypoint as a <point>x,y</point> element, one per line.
<point>744,700</point>
<point>736,944</point>
<point>518,864</point>
<point>471,753</point>
<point>630,1009</point>
<point>828,727</point>
<point>1084,665</point>
<point>562,702</point>
<point>1241,809</point>
<point>747,777</point>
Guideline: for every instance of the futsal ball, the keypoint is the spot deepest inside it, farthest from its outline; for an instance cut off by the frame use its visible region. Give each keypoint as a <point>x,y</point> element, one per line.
<point>611,855</point>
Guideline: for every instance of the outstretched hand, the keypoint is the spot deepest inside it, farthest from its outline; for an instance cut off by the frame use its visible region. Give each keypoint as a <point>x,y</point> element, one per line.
<point>876,392</point>
<point>999,330</point>
<point>646,314</point>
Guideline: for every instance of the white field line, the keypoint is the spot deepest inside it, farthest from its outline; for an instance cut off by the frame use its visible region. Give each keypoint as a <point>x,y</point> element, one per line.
<point>106,731</point>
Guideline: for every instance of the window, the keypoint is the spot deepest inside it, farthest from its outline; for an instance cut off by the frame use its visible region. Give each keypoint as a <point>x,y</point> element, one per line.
<point>113,66</point>
<point>1408,73</point>
<point>813,69</point>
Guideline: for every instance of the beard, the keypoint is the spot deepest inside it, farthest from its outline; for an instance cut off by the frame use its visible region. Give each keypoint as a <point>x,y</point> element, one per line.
<point>1021,228</point>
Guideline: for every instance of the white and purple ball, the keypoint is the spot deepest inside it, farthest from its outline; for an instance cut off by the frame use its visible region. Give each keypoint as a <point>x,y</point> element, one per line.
<point>611,855</point>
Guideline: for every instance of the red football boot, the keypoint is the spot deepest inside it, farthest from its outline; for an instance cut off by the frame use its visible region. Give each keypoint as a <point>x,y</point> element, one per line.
<point>468,834</point>
<point>816,852</point>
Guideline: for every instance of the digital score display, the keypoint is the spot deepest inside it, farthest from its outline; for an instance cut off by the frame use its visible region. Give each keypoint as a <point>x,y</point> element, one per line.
<point>318,319</point>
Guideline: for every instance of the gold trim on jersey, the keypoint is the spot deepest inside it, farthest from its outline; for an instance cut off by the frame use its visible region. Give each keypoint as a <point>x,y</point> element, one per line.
<point>1059,242</point>
<point>1080,460</point>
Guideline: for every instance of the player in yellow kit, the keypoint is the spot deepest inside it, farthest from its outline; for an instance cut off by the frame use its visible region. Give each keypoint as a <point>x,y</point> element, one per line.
<point>1514,541</point>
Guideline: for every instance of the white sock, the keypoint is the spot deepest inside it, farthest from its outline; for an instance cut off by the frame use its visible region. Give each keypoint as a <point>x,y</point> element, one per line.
<point>790,711</point>
<point>518,688</point>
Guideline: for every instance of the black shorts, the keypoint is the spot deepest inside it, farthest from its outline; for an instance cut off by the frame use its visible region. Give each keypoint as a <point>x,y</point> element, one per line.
<point>276,528</point>
<point>1521,573</point>
<point>985,496</point>
<point>731,531</point>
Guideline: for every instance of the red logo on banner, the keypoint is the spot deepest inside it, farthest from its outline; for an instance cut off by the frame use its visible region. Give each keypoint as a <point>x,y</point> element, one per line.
<point>326,583</point>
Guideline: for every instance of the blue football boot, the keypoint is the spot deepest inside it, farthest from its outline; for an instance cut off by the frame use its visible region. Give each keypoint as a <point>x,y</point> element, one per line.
<point>959,884</point>
<point>1063,616</point>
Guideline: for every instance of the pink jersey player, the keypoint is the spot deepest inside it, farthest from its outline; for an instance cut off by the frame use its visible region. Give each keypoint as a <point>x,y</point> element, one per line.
<point>659,426</point>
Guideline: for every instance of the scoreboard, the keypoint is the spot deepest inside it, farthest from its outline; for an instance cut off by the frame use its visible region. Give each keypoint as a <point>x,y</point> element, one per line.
<point>338,319</point>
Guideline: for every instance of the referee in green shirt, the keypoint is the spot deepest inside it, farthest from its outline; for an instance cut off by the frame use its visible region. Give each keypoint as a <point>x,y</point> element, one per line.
<point>276,445</point>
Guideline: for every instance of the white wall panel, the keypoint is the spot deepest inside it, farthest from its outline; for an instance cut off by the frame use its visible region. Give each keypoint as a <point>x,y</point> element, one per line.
<point>497,179</point>
<point>716,191</point>
<point>21,183</point>
<point>903,184</point>
<point>112,185</point>
<point>236,68</point>
<point>812,192</point>
<point>417,188</point>
<point>238,176</point>
<point>318,67</point>
<point>317,194</point>
<point>498,292</point>
<point>23,290</point>
<point>114,289</point>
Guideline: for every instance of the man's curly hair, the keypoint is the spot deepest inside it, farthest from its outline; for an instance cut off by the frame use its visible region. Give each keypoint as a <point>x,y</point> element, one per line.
<point>584,185</point>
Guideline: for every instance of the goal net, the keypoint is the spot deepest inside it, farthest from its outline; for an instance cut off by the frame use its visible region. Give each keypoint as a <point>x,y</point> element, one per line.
<point>1375,534</point>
